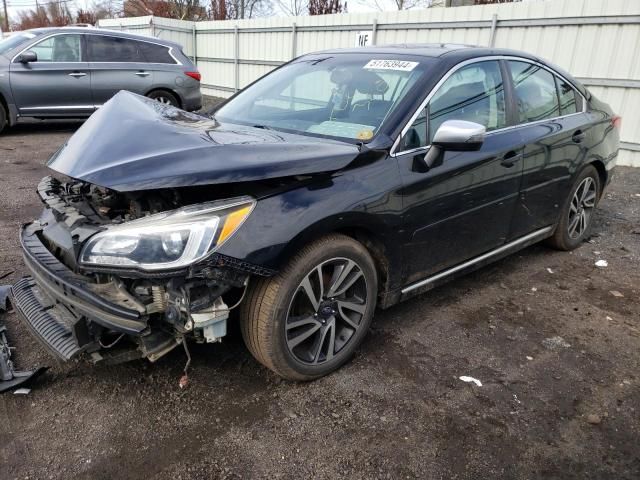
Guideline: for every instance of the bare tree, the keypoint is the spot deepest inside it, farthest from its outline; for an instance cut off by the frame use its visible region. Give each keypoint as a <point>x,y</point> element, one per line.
<point>326,7</point>
<point>292,7</point>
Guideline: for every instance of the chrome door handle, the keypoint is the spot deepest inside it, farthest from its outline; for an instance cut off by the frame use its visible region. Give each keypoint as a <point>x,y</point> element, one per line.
<point>77,74</point>
<point>142,74</point>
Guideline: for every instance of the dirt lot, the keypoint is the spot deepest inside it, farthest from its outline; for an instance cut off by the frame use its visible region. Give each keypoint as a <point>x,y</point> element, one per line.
<point>547,407</point>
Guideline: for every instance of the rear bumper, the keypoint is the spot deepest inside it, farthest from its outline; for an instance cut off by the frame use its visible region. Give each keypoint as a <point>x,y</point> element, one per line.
<point>191,99</point>
<point>58,305</point>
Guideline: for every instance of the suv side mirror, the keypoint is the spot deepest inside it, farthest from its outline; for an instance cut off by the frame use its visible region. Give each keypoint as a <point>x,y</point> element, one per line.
<point>456,136</point>
<point>28,57</point>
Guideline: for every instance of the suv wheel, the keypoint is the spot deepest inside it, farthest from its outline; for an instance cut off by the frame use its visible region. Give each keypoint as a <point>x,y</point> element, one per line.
<point>165,97</point>
<point>3,118</point>
<point>577,214</point>
<point>308,320</point>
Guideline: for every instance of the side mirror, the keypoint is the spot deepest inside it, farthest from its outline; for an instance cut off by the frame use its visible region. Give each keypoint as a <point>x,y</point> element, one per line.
<point>455,136</point>
<point>28,57</point>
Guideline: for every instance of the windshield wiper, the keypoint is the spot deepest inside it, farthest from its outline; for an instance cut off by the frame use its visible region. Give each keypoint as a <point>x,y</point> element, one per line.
<point>264,127</point>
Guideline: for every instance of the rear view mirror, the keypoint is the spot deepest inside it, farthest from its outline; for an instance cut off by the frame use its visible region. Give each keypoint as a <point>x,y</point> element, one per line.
<point>28,57</point>
<point>459,135</point>
<point>456,136</point>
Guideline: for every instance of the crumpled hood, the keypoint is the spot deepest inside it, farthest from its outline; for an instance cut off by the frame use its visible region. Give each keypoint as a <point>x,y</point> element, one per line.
<point>134,143</point>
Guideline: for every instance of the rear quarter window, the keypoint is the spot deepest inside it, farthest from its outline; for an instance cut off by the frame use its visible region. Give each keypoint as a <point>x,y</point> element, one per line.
<point>154,53</point>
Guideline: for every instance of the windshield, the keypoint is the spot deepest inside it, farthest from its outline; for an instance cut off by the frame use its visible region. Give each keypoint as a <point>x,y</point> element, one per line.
<point>14,41</point>
<point>345,96</point>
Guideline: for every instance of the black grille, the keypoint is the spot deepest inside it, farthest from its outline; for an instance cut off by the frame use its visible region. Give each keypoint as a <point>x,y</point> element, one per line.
<point>48,322</point>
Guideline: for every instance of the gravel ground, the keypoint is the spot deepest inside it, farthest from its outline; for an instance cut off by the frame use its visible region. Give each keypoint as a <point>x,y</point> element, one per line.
<point>558,355</point>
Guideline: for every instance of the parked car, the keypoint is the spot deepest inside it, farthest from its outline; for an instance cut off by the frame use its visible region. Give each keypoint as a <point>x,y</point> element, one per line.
<point>70,72</point>
<point>342,181</point>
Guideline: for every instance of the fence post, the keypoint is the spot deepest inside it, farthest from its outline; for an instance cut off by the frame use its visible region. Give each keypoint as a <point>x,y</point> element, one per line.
<point>374,32</point>
<point>194,45</point>
<point>236,58</point>
<point>153,27</point>
<point>494,25</point>
<point>294,39</point>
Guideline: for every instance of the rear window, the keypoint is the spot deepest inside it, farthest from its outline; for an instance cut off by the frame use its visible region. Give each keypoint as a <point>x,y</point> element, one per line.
<point>114,49</point>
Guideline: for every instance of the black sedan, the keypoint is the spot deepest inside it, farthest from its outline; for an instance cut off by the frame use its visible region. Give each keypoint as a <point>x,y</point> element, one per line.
<point>343,181</point>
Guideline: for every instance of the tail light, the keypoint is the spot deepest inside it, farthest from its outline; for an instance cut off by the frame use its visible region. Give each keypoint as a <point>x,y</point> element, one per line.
<point>194,75</point>
<point>616,121</point>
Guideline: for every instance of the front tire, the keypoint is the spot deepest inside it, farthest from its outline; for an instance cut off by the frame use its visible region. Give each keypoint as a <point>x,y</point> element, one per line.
<point>576,218</point>
<point>307,321</point>
<point>3,117</point>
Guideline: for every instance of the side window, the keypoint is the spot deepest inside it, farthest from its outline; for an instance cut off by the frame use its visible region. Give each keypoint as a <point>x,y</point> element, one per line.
<point>113,49</point>
<point>416,136</point>
<point>59,48</point>
<point>474,93</point>
<point>567,96</point>
<point>535,92</point>
<point>155,53</point>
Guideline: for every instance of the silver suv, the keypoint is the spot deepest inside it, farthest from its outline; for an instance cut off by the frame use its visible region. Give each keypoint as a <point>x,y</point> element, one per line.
<point>70,72</point>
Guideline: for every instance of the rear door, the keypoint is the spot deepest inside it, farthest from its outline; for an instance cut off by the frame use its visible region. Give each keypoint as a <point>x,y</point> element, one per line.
<point>553,128</point>
<point>58,83</point>
<point>116,64</point>
<point>464,206</point>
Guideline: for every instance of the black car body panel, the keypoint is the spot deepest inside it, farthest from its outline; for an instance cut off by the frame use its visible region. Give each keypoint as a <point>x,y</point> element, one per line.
<point>422,225</point>
<point>158,146</point>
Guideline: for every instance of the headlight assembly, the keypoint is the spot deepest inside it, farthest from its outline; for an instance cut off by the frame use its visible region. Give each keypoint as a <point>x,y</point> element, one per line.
<point>167,240</point>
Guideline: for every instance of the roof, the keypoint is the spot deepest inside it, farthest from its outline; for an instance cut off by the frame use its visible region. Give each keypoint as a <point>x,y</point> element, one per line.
<point>432,50</point>
<point>115,33</point>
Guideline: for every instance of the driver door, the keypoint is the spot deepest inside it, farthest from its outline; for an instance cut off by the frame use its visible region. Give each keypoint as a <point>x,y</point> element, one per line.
<point>58,83</point>
<point>463,205</point>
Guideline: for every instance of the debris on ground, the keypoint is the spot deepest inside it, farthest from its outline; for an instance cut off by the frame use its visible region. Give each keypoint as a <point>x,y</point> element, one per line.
<point>464,378</point>
<point>616,293</point>
<point>602,263</point>
<point>594,419</point>
<point>553,343</point>
<point>22,391</point>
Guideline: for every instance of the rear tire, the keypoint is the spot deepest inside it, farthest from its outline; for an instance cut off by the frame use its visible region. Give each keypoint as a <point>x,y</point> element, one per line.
<point>3,117</point>
<point>576,218</point>
<point>300,323</point>
<point>165,97</point>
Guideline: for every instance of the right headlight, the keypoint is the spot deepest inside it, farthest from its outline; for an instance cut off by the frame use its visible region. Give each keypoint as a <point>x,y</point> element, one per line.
<point>167,240</point>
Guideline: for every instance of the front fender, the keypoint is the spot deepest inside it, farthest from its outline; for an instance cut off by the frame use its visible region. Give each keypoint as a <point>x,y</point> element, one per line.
<point>364,199</point>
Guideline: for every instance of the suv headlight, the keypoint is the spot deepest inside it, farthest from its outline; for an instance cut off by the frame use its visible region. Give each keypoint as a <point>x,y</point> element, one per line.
<point>167,240</point>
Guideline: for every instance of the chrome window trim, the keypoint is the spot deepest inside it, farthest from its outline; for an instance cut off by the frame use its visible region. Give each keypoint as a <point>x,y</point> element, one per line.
<point>42,39</point>
<point>38,40</point>
<point>457,67</point>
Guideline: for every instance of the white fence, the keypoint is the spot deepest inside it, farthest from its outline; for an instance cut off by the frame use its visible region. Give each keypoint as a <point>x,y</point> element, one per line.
<point>598,41</point>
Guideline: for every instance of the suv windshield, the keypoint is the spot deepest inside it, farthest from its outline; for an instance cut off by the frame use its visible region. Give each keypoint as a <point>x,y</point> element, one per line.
<point>345,95</point>
<point>14,41</point>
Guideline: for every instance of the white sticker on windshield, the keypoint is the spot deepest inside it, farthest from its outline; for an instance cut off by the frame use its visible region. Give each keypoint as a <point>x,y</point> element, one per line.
<point>400,65</point>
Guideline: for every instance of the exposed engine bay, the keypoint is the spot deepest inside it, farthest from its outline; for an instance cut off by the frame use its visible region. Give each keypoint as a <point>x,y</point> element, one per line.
<point>121,312</point>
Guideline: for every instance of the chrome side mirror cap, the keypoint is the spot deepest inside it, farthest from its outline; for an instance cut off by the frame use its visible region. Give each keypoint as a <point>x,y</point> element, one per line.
<point>459,135</point>
<point>455,136</point>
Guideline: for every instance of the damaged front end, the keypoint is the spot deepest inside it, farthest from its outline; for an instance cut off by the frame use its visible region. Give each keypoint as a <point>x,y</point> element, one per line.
<point>123,275</point>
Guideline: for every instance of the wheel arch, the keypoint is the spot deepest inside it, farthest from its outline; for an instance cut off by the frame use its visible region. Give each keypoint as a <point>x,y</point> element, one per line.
<point>602,173</point>
<point>362,229</point>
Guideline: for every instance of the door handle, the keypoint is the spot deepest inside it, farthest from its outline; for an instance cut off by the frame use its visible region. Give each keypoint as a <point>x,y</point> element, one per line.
<point>77,74</point>
<point>578,136</point>
<point>142,74</point>
<point>510,158</point>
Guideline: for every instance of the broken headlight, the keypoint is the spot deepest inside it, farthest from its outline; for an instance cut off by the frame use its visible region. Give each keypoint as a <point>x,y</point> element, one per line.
<point>167,240</point>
